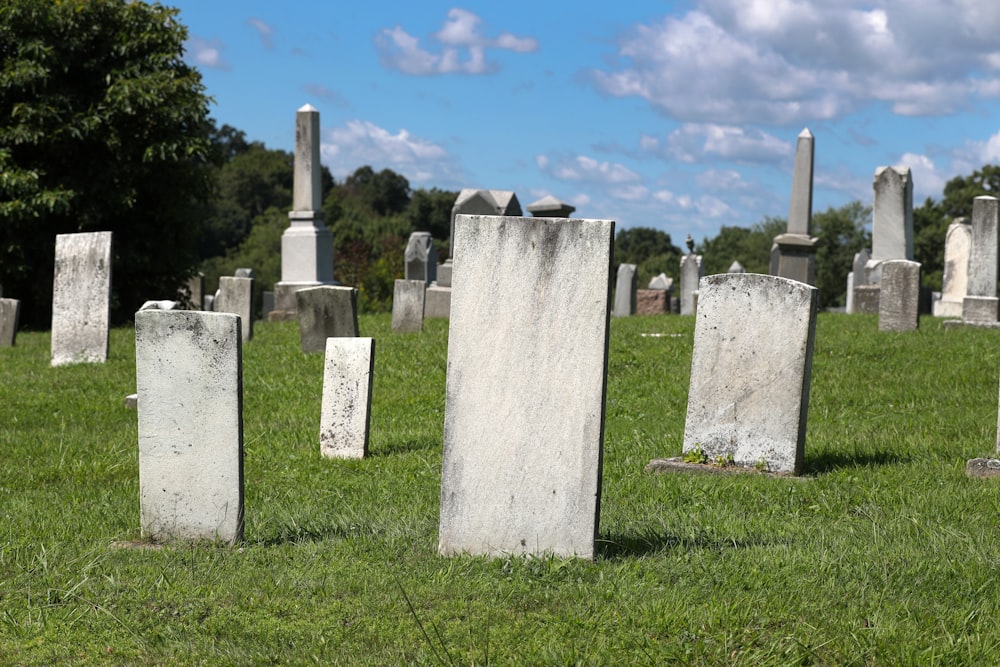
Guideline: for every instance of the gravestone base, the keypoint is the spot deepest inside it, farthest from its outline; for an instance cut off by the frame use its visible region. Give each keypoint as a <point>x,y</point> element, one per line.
<point>980,309</point>
<point>284,296</point>
<point>437,301</point>
<point>958,324</point>
<point>10,314</point>
<point>652,302</point>
<point>983,468</point>
<point>947,308</point>
<point>793,256</point>
<point>866,298</point>
<point>444,273</point>
<point>678,464</point>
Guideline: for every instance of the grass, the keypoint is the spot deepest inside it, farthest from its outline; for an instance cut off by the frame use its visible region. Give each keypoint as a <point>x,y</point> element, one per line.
<point>886,555</point>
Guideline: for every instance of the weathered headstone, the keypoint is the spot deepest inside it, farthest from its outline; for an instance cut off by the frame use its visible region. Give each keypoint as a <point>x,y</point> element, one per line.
<point>190,387</point>
<point>347,397</point>
<point>749,391</point>
<point>81,297</point>
<point>867,300</point>
<point>899,301</point>
<point>235,296</point>
<point>690,275</point>
<point>793,254</point>
<point>307,245</point>
<point>892,214</point>
<point>10,315</point>
<point>420,258</point>
<point>196,290</point>
<point>625,288</point>
<point>162,304</point>
<point>849,305</point>
<point>208,303</point>
<point>652,302</point>
<point>527,364</point>
<point>325,312</point>
<point>408,306</point>
<point>955,278</point>
<point>662,282</point>
<point>550,207</point>
<point>980,303</point>
<point>244,273</point>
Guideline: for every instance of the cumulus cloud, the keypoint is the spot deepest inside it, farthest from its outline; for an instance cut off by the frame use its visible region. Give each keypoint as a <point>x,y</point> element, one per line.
<point>781,62</point>
<point>460,48</point>
<point>264,31</point>
<point>587,169</point>
<point>206,53</point>
<point>698,142</point>
<point>360,142</point>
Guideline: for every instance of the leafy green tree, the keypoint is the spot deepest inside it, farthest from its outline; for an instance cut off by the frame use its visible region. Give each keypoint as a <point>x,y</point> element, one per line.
<point>842,233</point>
<point>750,247</point>
<point>651,250</point>
<point>104,128</point>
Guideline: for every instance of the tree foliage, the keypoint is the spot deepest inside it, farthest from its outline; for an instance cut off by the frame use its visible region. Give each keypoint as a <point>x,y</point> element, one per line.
<point>104,128</point>
<point>750,247</point>
<point>651,250</point>
<point>842,233</point>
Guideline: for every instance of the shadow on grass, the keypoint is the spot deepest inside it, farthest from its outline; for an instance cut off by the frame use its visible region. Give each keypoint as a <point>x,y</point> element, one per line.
<point>617,546</point>
<point>831,461</point>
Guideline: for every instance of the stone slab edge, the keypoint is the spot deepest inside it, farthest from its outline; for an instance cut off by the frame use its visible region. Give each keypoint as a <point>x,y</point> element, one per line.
<point>983,468</point>
<point>678,464</point>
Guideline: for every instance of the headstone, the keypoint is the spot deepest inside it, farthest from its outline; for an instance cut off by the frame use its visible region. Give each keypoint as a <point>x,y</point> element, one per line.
<point>196,290</point>
<point>10,315</point>
<point>244,273</point>
<point>954,281</point>
<point>550,207</point>
<point>690,275</point>
<point>347,397</point>
<point>325,312</point>
<point>162,304</point>
<point>132,401</point>
<point>736,267</point>
<point>866,299</point>
<point>662,282</point>
<point>749,391</point>
<point>527,369</point>
<point>437,301</point>
<point>899,301</point>
<point>190,388</point>
<point>625,290</point>
<point>81,296</point>
<point>420,258</point>
<point>849,306</point>
<point>307,245</point>
<point>892,214</point>
<point>208,303</point>
<point>793,254</point>
<point>856,278</point>
<point>980,303</point>
<point>652,302</point>
<point>235,296</point>
<point>408,306</point>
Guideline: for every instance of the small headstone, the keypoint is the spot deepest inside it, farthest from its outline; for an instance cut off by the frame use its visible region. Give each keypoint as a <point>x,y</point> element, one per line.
<point>866,299</point>
<point>849,306</point>
<point>408,306</point>
<point>690,275</point>
<point>196,290</point>
<point>347,397</point>
<point>326,312</point>
<point>750,374</point>
<point>625,290</point>
<point>132,401</point>
<point>527,364</point>
<point>955,278</point>
<point>437,301</point>
<point>899,301</point>
<point>190,388</point>
<point>420,258</point>
<point>10,315</point>
<point>652,302</point>
<point>208,303</point>
<point>736,267</point>
<point>163,304</point>
<point>550,207</point>
<point>980,302</point>
<point>662,282</point>
<point>244,273</point>
<point>81,298</point>
<point>235,296</point>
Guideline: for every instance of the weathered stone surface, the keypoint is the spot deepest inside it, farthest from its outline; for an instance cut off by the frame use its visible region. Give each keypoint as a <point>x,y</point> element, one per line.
<point>800,206</point>
<point>625,290</point>
<point>955,280</point>
<point>899,301</point>
<point>983,468</point>
<point>162,304</point>
<point>980,309</point>
<point>750,374</point>
<point>190,388</point>
<point>132,401</point>
<point>793,256</point>
<point>892,214</point>
<point>420,258</point>
<point>235,296</point>
<point>326,312</point>
<point>196,290</point>
<point>408,306</point>
<point>982,279</point>
<point>866,298</point>
<point>679,465</point>
<point>849,306</point>
<point>307,187</point>
<point>347,397</point>
<point>481,202</point>
<point>81,297</point>
<point>10,315</point>
<point>652,302</point>
<point>527,364</point>
<point>437,302</point>
<point>690,275</point>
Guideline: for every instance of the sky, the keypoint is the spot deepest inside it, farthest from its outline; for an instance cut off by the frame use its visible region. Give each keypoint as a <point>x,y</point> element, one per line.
<point>681,116</point>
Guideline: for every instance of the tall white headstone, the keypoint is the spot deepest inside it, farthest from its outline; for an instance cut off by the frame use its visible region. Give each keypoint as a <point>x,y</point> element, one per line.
<point>690,275</point>
<point>236,296</point>
<point>625,289</point>
<point>81,298</point>
<point>527,368</point>
<point>955,278</point>
<point>892,214</point>
<point>347,397</point>
<point>980,304</point>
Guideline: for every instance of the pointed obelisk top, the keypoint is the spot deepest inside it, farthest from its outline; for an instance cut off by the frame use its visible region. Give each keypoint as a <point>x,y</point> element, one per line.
<point>307,107</point>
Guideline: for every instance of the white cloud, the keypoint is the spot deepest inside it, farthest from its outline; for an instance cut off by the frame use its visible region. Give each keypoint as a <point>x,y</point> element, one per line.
<point>206,53</point>
<point>781,62</point>
<point>697,142</point>
<point>264,31</point>
<point>359,142</point>
<point>587,169</point>
<point>461,48</point>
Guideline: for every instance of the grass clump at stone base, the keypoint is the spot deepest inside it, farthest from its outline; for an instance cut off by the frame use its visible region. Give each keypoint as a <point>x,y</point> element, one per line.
<point>887,556</point>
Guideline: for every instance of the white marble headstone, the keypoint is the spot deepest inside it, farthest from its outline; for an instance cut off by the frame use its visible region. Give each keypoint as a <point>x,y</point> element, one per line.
<point>347,397</point>
<point>81,298</point>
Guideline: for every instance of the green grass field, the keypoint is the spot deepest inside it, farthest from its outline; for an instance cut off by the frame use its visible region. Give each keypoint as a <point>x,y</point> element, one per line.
<point>886,554</point>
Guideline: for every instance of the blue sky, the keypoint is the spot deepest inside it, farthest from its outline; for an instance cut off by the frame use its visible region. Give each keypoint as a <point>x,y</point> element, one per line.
<point>680,116</point>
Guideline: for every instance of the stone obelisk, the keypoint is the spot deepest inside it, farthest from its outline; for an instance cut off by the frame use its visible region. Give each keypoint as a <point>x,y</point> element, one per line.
<point>793,254</point>
<point>307,245</point>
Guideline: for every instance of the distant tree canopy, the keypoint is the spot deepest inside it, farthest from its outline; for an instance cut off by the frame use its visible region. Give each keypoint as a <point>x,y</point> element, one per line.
<point>651,250</point>
<point>103,129</point>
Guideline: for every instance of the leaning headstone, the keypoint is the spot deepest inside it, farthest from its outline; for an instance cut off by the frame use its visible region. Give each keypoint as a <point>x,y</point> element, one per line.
<point>10,315</point>
<point>955,278</point>
<point>690,275</point>
<point>625,290</point>
<point>793,254</point>
<point>190,401</point>
<point>408,306</point>
<point>899,301</point>
<point>749,391</point>
<point>980,303</point>
<point>235,296</point>
<point>420,258</point>
<point>527,365</point>
<point>81,297</point>
<point>347,397</point>
<point>326,312</point>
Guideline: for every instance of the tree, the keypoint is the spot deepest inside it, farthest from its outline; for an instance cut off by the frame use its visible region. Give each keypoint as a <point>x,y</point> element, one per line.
<point>651,250</point>
<point>842,233</point>
<point>104,128</point>
<point>750,247</point>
